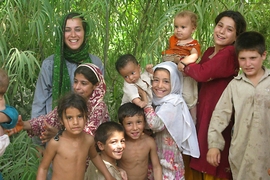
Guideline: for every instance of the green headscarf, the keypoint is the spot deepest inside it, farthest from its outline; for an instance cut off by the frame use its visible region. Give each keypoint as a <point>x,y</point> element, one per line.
<point>61,78</point>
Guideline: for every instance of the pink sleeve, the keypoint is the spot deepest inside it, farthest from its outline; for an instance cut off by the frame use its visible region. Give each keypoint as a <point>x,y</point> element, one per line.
<point>37,124</point>
<point>98,115</point>
<point>153,120</point>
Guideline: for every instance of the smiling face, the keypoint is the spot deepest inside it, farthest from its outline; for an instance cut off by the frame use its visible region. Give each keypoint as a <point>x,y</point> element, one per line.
<point>131,72</point>
<point>183,28</point>
<point>73,120</point>
<point>161,84</point>
<point>82,86</point>
<point>251,63</point>
<point>224,32</point>
<point>74,33</point>
<point>134,126</point>
<point>113,148</point>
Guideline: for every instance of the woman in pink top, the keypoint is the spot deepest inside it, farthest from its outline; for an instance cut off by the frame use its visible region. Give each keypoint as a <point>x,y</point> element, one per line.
<point>89,83</point>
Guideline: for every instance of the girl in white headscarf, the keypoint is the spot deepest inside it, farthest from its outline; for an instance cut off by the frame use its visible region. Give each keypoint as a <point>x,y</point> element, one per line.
<point>171,121</point>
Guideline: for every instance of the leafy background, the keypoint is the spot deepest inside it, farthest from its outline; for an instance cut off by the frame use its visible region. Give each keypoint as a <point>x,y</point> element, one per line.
<point>140,27</point>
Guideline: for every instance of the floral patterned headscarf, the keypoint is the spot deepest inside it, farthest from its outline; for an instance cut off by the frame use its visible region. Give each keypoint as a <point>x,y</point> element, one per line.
<point>97,109</point>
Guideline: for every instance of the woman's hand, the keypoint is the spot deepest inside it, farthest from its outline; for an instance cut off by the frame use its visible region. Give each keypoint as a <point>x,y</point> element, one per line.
<point>49,132</point>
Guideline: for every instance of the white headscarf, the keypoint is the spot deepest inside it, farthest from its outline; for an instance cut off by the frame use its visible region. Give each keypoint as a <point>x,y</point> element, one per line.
<point>174,113</point>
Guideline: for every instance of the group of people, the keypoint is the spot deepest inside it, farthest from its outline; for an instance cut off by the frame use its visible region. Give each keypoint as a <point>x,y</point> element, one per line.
<point>178,120</point>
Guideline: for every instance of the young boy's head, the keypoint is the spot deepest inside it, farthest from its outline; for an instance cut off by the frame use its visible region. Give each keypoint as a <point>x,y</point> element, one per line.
<point>4,81</point>
<point>132,118</point>
<point>251,52</point>
<point>128,67</point>
<point>72,111</point>
<point>110,140</point>
<point>250,41</point>
<point>185,23</point>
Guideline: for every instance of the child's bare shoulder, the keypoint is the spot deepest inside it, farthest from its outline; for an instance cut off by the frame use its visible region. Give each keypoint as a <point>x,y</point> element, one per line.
<point>148,140</point>
<point>147,137</point>
<point>52,143</point>
<point>89,138</point>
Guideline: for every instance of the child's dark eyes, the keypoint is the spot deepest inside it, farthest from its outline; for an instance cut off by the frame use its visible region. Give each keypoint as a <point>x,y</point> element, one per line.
<point>182,27</point>
<point>166,82</point>
<point>116,141</point>
<point>139,122</point>
<point>69,118</point>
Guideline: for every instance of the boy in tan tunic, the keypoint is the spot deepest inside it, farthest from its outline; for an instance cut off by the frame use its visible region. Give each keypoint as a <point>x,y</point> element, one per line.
<point>140,148</point>
<point>110,142</point>
<point>247,98</point>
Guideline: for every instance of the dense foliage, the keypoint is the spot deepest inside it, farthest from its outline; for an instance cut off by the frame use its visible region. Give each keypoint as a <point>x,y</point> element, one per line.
<point>140,27</point>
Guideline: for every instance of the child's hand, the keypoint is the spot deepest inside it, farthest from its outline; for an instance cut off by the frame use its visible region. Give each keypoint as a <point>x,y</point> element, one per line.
<point>149,68</point>
<point>123,174</point>
<point>177,59</point>
<point>180,67</point>
<point>141,101</point>
<point>213,156</point>
<point>142,94</point>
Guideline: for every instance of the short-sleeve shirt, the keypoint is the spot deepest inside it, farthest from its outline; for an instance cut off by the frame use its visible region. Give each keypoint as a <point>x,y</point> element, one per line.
<point>13,114</point>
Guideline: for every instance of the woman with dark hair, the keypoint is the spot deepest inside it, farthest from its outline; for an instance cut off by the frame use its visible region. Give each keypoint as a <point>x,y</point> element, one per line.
<point>56,74</point>
<point>57,71</point>
<point>216,69</point>
<point>90,84</point>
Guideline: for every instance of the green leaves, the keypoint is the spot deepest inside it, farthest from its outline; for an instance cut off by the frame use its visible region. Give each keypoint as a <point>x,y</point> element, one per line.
<point>20,160</point>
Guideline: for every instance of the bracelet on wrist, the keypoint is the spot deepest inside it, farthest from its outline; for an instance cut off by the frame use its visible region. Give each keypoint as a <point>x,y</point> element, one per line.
<point>183,64</point>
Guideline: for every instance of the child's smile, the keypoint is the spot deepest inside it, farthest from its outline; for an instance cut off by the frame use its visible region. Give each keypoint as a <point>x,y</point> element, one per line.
<point>161,84</point>
<point>134,126</point>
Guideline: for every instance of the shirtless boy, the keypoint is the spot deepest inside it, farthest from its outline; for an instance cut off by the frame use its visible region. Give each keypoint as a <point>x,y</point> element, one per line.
<point>69,149</point>
<point>140,148</point>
